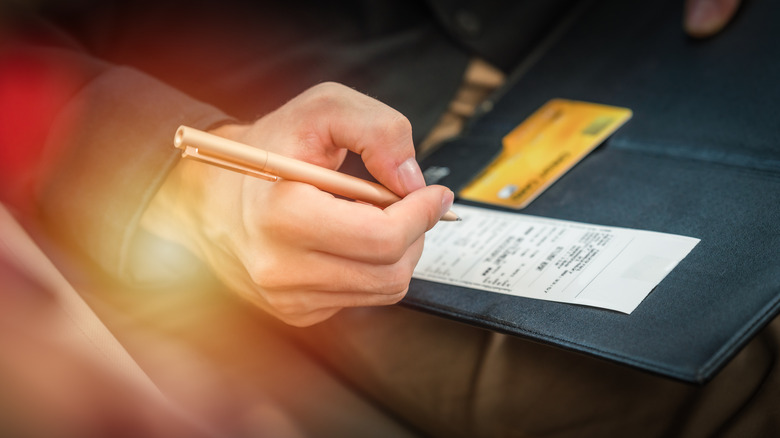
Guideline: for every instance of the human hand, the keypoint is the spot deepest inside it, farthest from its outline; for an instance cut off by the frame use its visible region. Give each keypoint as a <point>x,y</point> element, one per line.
<point>705,18</point>
<point>299,253</point>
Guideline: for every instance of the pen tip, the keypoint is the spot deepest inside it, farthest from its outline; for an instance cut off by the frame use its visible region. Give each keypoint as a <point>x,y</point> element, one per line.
<point>450,216</point>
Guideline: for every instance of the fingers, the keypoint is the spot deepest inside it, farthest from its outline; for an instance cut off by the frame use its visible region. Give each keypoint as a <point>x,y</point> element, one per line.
<point>704,18</point>
<point>381,135</point>
<point>325,121</point>
<point>325,272</point>
<point>321,254</point>
<point>312,286</point>
<point>317,221</point>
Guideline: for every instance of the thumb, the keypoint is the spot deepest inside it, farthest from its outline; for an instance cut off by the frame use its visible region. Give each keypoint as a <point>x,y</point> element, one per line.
<point>419,211</point>
<point>392,162</point>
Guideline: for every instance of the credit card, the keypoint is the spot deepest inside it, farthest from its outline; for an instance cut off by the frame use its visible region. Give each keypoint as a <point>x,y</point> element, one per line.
<point>542,149</point>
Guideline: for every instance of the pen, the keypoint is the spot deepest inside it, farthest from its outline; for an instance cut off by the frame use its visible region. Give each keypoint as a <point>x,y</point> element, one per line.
<point>257,162</point>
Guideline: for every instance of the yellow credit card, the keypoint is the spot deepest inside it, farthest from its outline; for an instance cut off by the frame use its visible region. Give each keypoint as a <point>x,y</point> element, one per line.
<point>541,149</point>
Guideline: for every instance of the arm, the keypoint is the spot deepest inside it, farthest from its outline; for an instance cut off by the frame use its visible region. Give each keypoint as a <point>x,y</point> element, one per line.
<point>85,144</point>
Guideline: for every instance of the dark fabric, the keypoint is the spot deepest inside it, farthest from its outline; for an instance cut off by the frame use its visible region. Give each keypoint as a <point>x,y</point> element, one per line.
<point>453,380</point>
<point>248,57</point>
<point>502,32</point>
<point>701,157</point>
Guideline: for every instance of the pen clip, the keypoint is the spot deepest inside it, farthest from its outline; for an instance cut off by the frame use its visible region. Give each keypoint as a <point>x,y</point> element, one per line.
<point>192,152</point>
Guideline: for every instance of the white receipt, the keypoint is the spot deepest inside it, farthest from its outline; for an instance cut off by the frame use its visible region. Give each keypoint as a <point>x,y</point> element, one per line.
<point>549,259</point>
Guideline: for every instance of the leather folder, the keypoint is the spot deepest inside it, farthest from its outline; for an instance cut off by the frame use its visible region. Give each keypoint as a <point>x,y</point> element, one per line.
<point>700,158</point>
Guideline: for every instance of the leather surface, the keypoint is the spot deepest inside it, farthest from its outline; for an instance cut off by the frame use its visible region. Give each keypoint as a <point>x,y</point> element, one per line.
<point>701,157</point>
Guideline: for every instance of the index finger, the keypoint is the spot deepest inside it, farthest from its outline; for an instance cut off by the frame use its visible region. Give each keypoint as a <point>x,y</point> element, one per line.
<point>358,231</point>
<point>381,135</point>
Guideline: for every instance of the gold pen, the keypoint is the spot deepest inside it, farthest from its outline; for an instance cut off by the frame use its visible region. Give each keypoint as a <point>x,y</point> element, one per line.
<point>257,162</point>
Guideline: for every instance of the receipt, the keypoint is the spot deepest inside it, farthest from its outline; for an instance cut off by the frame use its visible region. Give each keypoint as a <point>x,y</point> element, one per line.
<point>571,262</point>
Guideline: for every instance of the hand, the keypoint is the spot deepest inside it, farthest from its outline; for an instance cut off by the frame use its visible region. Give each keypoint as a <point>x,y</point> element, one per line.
<point>297,252</point>
<point>705,18</point>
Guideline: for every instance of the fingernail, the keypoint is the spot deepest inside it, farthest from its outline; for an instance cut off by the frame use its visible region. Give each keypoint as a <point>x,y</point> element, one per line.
<point>446,202</point>
<point>410,175</point>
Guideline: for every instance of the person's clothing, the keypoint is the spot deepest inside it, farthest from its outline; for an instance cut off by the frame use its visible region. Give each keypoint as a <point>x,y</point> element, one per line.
<point>138,69</point>
<point>452,380</point>
<point>105,145</point>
